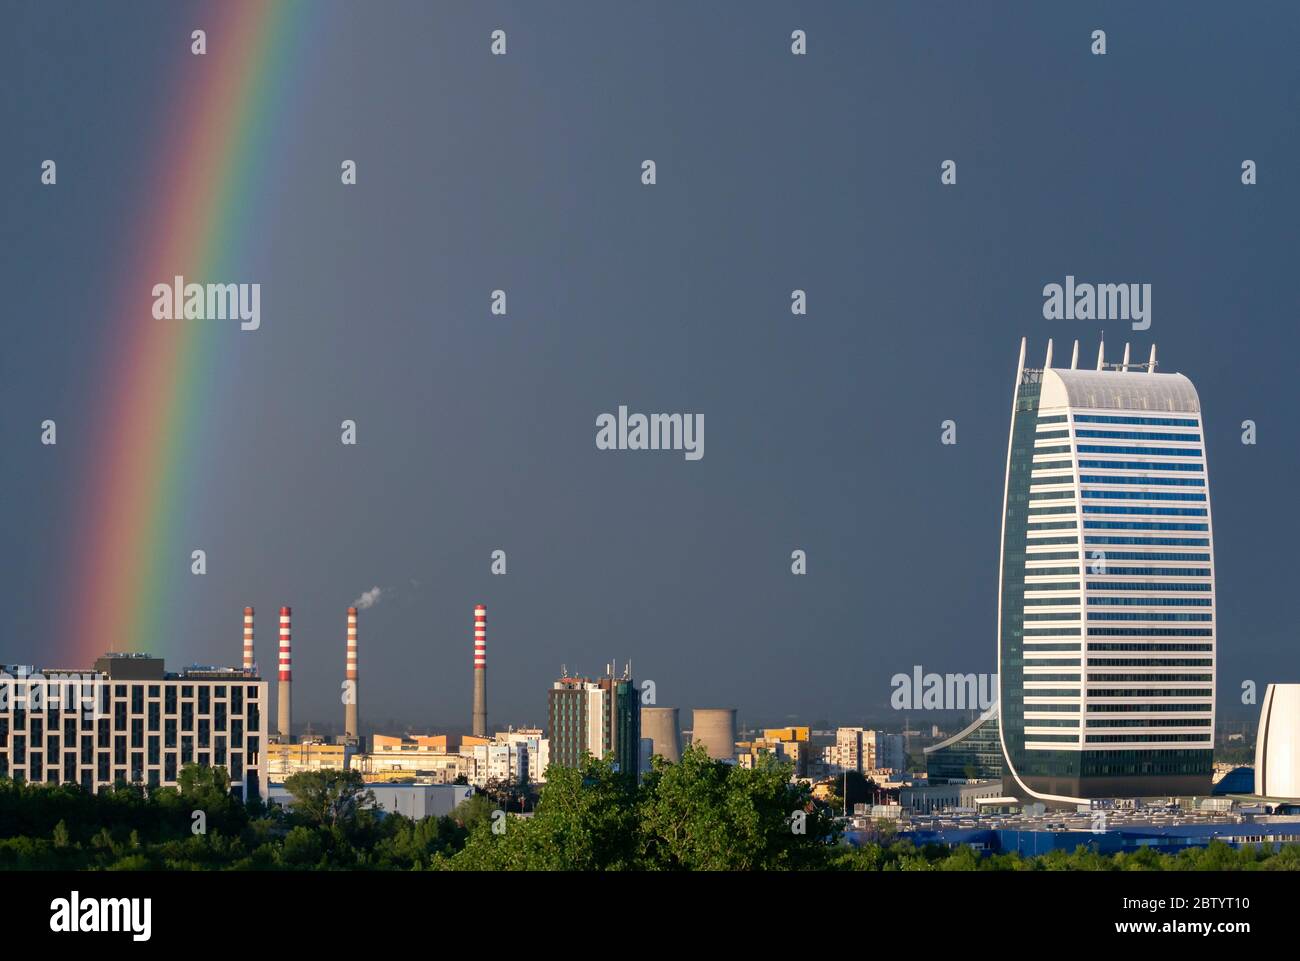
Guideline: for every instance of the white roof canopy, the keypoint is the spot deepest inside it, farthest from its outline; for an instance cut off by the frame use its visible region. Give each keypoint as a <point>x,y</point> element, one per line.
<point>1119,390</point>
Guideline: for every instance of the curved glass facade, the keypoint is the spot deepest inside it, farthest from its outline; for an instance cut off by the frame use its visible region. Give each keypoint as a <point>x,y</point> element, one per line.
<point>1106,637</point>
<point>974,754</point>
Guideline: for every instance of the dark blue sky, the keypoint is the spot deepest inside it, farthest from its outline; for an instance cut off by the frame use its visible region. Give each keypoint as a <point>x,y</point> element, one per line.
<point>775,172</point>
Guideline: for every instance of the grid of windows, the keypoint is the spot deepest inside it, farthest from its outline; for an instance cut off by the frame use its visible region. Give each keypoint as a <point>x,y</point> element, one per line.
<point>1150,451</point>
<point>1133,480</point>
<point>1145,421</point>
<point>144,732</point>
<point>1150,541</point>
<point>1134,464</point>
<point>1144,481</point>
<point>1147,600</point>
<point>1136,435</point>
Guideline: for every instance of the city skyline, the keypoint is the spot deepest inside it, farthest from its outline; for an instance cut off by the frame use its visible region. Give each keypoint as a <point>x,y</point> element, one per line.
<point>342,338</point>
<point>824,428</point>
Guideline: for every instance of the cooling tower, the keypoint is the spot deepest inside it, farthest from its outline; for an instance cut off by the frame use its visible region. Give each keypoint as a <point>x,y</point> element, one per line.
<point>715,728</point>
<point>286,674</point>
<point>350,728</point>
<point>479,727</point>
<point>1277,743</point>
<point>663,727</point>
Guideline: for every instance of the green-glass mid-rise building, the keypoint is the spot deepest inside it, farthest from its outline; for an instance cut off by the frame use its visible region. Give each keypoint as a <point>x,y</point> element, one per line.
<point>600,717</point>
<point>973,754</point>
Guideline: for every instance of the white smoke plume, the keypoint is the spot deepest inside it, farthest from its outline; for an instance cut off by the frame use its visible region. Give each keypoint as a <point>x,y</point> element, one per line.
<point>368,599</point>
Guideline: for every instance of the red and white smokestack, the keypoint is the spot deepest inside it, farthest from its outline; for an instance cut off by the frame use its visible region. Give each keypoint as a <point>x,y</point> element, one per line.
<point>480,671</point>
<point>350,701</point>
<point>286,672</point>
<point>248,638</point>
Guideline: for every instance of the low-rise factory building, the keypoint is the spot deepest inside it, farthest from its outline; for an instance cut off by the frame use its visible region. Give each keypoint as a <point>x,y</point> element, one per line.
<point>414,801</point>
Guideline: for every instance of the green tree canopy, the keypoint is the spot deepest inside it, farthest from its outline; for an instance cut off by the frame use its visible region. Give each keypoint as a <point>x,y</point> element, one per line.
<point>329,798</point>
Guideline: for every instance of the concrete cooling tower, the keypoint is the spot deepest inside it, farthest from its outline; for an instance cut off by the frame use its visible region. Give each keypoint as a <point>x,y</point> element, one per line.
<point>663,727</point>
<point>715,728</point>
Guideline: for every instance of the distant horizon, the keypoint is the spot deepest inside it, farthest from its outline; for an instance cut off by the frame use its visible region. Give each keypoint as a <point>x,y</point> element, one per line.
<point>1232,712</point>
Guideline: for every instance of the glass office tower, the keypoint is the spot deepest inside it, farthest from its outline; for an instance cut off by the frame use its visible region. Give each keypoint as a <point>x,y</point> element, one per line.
<point>1106,632</point>
<point>974,753</point>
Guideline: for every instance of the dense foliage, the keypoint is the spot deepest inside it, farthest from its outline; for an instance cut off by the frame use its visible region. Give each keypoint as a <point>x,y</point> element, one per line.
<point>698,814</point>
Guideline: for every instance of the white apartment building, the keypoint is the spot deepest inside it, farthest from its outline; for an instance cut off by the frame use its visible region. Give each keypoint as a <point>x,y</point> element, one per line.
<point>862,749</point>
<point>513,756</point>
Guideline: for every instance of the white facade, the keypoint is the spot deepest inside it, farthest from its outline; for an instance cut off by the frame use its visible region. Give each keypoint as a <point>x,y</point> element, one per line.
<point>498,762</point>
<point>536,748</point>
<point>415,801</point>
<point>859,749</point>
<point>1277,744</point>
<point>539,760</point>
<point>933,798</point>
<point>515,756</point>
<point>597,721</point>
<point>1118,602</point>
<point>848,751</point>
<point>141,730</point>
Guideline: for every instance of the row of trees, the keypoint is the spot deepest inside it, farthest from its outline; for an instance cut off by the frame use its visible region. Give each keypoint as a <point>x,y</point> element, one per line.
<point>198,825</point>
<point>698,814</point>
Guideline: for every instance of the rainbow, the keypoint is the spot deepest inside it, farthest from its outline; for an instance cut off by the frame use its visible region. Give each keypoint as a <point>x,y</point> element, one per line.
<point>215,130</point>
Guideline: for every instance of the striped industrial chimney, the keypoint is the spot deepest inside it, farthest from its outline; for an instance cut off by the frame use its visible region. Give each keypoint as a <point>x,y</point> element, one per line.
<point>248,638</point>
<point>350,703</point>
<point>286,673</point>
<point>480,671</point>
